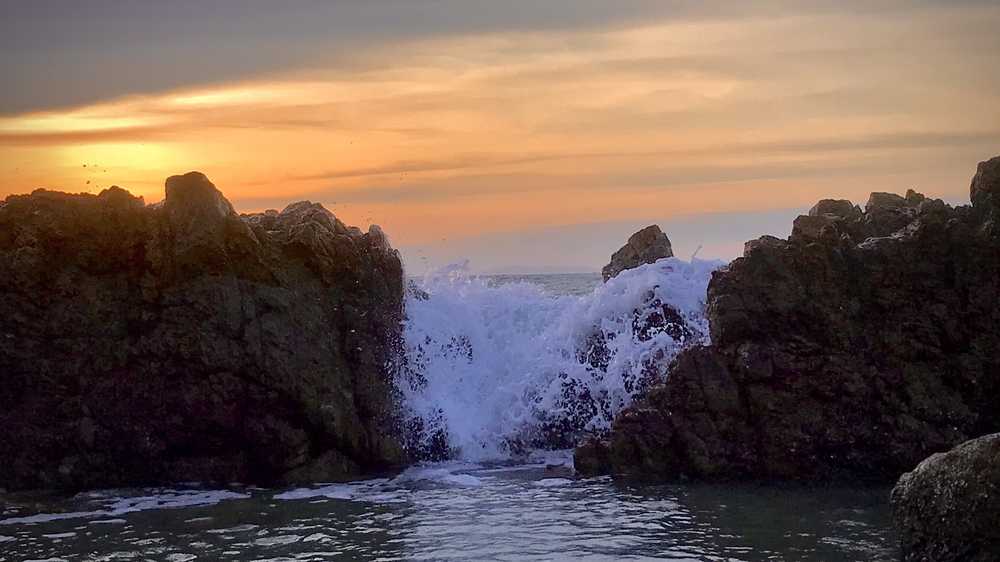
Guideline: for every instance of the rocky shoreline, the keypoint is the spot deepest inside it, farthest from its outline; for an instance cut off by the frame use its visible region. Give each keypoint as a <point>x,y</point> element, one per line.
<point>866,341</point>
<point>146,344</point>
<point>853,350</point>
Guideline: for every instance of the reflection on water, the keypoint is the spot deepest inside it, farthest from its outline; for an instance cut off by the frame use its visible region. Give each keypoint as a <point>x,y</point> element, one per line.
<point>457,512</point>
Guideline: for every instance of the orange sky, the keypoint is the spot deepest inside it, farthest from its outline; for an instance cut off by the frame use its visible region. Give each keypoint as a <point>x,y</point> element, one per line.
<point>457,142</point>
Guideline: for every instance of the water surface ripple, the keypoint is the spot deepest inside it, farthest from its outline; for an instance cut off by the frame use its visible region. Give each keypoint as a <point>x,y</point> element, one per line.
<point>456,512</point>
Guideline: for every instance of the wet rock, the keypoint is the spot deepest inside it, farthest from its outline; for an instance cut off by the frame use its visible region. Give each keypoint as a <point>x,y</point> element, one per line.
<point>859,346</point>
<point>948,508</point>
<point>645,246</point>
<point>184,342</point>
<point>592,457</point>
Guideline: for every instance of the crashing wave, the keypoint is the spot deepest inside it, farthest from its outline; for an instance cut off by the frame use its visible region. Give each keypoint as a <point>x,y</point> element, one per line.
<point>494,371</point>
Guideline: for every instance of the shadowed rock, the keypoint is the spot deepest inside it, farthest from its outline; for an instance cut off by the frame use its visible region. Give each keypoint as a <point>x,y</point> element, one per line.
<point>183,342</point>
<point>948,508</point>
<point>985,189</point>
<point>645,246</point>
<point>857,347</point>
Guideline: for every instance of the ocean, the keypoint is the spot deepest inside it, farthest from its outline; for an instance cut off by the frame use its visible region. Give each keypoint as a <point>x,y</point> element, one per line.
<point>488,360</point>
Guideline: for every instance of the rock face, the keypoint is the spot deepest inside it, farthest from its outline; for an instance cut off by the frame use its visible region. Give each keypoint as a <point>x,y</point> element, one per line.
<point>855,348</point>
<point>645,246</point>
<point>948,508</point>
<point>183,342</point>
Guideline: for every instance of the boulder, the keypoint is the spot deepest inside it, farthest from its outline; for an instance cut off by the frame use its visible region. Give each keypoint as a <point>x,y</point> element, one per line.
<point>948,508</point>
<point>837,207</point>
<point>645,246</point>
<point>184,342</point>
<point>850,351</point>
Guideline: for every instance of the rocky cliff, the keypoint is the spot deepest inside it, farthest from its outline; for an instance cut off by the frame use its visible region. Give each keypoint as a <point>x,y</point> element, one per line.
<point>866,341</point>
<point>184,342</point>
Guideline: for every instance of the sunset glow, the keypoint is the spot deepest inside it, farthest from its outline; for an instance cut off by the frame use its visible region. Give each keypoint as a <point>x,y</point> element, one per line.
<point>457,137</point>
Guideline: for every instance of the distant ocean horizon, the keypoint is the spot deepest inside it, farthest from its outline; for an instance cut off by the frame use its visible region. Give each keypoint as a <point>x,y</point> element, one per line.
<point>577,283</point>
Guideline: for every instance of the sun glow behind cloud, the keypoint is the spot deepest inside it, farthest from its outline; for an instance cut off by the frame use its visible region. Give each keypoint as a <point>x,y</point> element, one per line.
<point>473,136</point>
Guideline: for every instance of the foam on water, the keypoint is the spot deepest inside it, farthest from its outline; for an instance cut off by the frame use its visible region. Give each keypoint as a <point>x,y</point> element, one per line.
<point>489,365</point>
<point>110,504</point>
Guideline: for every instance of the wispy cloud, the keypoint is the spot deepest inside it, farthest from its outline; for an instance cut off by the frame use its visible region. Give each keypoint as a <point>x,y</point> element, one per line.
<point>469,129</point>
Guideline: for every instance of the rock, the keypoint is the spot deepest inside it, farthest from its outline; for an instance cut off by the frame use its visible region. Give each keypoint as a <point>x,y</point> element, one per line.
<point>886,213</point>
<point>985,188</point>
<point>814,227</point>
<point>592,457</point>
<point>837,207</point>
<point>645,246</point>
<point>859,346</point>
<point>948,508</point>
<point>184,342</point>
<point>880,201</point>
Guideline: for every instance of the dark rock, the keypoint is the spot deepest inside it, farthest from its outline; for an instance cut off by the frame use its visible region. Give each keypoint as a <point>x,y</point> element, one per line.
<point>183,342</point>
<point>860,345</point>
<point>985,189</point>
<point>886,213</point>
<point>837,207</point>
<point>880,201</point>
<point>645,246</point>
<point>592,457</point>
<point>815,227</point>
<point>948,508</point>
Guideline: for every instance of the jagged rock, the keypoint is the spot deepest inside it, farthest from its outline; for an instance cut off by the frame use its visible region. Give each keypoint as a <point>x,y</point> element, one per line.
<point>860,345</point>
<point>837,207</point>
<point>985,188</point>
<point>183,342</point>
<point>948,508</point>
<point>645,246</point>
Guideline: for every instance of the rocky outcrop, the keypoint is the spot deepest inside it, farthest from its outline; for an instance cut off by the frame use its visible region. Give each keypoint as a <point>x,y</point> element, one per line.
<point>645,246</point>
<point>183,342</point>
<point>948,508</point>
<point>855,348</point>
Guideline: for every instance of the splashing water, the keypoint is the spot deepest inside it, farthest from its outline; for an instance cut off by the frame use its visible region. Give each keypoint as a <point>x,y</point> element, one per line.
<point>493,371</point>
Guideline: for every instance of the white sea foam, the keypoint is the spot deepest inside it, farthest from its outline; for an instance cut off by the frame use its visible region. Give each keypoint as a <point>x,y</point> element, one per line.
<point>449,475</point>
<point>487,365</point>
<point>553,482</point>
<point>112,505</point>
<point>333,491</point>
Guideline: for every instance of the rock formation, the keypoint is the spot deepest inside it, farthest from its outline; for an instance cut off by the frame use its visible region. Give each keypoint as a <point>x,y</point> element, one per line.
<point>645,246</point>
<point>948,508</point>
<point>855,348</point>
<point>183,342</point>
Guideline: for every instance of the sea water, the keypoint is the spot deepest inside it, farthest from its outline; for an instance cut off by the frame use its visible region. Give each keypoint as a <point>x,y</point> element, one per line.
<point>496,365</point>
<point>489,359</point>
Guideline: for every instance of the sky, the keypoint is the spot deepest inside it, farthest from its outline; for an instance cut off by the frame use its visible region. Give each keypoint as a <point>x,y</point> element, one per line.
<point>522,136</point>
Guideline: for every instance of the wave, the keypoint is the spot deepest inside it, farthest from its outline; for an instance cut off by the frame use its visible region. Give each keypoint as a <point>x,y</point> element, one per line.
<point>492,372</point>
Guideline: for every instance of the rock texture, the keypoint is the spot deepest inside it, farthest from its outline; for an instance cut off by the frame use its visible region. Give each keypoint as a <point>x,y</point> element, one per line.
<point>855,348</point>
<point>183,342</point>
<point>948,508</point>
<point>645,246</point>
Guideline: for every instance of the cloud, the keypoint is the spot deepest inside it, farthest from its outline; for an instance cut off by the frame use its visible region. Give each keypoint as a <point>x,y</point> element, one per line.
<point>478,123</point>
<point>64,53</point>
